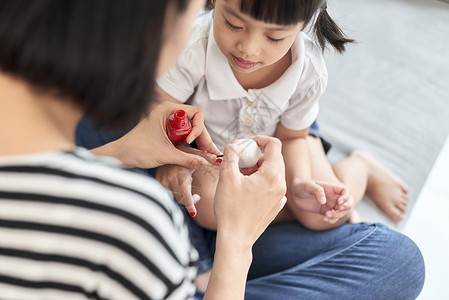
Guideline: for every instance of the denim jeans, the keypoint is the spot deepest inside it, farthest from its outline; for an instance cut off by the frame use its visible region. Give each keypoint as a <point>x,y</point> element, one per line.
<point>354,261</point>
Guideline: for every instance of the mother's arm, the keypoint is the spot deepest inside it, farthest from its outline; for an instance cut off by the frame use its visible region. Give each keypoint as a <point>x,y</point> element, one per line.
<point>244,207</point>
<point>147,145</point>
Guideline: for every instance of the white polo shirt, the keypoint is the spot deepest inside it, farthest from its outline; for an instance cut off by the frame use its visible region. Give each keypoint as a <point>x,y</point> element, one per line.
<point>203,77</point>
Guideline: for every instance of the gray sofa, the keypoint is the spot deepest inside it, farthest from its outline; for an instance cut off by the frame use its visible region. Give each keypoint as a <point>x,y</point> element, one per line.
<point>389,94</point>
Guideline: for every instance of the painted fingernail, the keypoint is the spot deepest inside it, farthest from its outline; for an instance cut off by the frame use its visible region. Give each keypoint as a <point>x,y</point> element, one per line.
<point>218,161</point>
<point>192,213</point>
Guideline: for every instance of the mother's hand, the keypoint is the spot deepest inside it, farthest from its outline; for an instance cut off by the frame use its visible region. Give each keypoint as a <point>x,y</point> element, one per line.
<point>147,144</point>
<point>246,205</point>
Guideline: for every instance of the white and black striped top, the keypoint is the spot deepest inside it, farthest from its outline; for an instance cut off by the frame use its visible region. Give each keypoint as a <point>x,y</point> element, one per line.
<point>75,226</point>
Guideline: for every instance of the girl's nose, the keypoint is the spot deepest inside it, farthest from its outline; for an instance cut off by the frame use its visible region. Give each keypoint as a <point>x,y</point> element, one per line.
<point>249,45</point>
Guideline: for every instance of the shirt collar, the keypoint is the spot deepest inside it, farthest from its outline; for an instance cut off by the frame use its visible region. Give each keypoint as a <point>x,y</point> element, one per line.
<point>222,84</point>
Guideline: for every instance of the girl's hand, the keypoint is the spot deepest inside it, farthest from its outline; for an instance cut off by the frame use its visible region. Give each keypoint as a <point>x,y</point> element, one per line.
<point>345,206</point>
<point>147,144</point>
<point>246,204</point>
<point>179,180</point>
<point>330,200</point>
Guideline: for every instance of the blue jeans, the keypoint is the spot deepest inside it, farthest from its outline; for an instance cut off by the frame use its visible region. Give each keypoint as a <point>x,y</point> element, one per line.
<point>354,261</point>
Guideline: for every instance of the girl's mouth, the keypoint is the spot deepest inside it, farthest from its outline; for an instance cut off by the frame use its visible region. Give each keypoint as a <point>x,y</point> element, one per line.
<point>244,64</point>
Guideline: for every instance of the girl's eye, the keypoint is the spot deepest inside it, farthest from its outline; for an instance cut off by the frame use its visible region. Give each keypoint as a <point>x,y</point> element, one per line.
<point>230,26</point>
<point>275,40</point>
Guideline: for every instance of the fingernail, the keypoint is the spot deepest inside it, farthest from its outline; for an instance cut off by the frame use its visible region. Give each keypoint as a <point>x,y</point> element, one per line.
<point>218,161</point>
<point>196,198</point>
<point>322,200</point>
<point>192,213</point>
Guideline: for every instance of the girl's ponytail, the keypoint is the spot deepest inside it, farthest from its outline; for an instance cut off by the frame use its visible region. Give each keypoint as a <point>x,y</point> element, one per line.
<point>327,31</point>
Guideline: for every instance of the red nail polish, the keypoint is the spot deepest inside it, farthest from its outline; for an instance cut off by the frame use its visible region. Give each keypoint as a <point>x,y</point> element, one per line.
<point>192,214</point>
<point>178,126</point>
<point>219,161</point>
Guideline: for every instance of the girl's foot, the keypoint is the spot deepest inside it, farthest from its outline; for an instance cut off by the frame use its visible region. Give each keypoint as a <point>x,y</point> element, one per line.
<point>384,188</point>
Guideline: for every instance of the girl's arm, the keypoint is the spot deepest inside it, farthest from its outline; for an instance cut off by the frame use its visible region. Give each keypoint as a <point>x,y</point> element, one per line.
<point>306,198</point>
<point>296,153</point>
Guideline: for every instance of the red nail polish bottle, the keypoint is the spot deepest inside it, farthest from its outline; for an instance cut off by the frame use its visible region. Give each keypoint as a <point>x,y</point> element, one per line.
<point>178,126</point>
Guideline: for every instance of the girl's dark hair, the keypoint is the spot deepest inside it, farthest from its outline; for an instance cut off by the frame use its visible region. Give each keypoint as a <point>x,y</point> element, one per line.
<point>289,12</point>
<point>100,54</point>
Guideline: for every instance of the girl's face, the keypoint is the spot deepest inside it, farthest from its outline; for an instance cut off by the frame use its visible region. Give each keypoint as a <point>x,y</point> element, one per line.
<point>247,43</point>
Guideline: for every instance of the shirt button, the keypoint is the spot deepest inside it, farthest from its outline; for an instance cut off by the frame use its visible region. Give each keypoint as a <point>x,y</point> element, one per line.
<point>249,102</point>
<point>247,130</point>
<point>248,120</point>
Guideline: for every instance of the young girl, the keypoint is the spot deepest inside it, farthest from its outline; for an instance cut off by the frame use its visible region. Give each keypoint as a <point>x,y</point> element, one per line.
<point>254,71</point>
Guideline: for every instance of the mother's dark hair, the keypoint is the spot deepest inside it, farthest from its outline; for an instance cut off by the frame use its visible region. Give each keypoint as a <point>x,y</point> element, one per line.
<point>100,54</point>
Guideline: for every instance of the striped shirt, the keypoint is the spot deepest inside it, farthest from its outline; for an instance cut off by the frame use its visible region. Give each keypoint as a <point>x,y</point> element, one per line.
<point>76,226</point>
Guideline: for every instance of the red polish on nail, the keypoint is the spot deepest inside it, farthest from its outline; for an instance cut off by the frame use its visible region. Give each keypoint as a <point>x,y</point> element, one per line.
<point>192,214</point>
<point>219,161</point>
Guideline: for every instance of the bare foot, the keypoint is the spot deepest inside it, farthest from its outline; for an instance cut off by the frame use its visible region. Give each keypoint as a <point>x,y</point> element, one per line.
<point>384,188</point>
<point>355,217</point>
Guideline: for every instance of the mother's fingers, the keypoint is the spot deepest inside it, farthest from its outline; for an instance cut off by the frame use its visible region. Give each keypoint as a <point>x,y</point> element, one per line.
<point>263,141</point>
<point>190,161</point>
<point>204,142</point>
<point>231,159</point>
<point>196,116</point>
<point>208,156</point>
<point>272,152</point>
<point>199,132</point>
<point>250,170</point>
